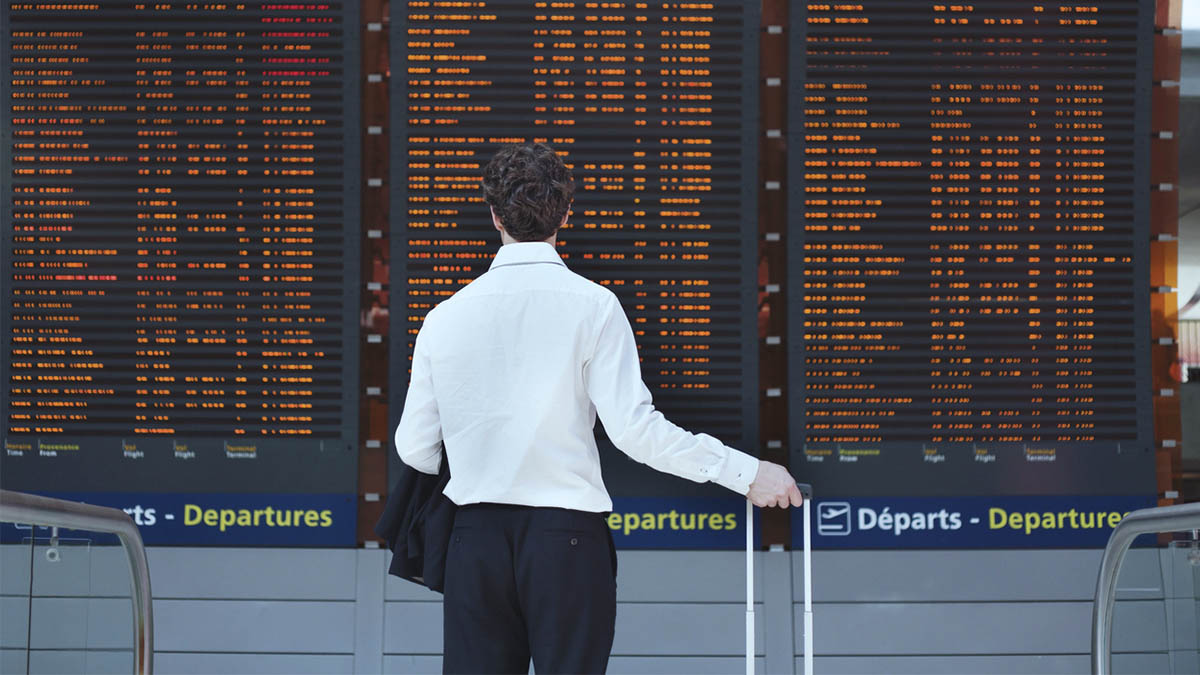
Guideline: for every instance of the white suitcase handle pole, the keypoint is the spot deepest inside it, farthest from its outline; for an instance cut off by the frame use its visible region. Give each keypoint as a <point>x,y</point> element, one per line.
<point>749,587</point>
<point>805,490</point>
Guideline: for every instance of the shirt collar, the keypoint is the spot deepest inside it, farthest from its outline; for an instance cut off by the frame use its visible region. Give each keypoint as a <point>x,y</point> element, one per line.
<point>526,253</point>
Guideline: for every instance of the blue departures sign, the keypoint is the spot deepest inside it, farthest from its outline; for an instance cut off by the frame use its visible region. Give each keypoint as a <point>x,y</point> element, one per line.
<point>303,520</point>
<point>328,520</point>
<point>965,522</point>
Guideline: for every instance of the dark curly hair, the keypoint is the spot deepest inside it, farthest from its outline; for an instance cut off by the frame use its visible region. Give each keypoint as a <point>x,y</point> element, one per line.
<point>530,189</point>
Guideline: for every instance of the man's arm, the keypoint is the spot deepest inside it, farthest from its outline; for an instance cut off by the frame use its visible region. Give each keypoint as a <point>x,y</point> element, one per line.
<point>419,435</point>
<point>614,382</point>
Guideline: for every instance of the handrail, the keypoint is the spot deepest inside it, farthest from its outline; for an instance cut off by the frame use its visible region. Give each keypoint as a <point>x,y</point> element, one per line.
<point>18,507</point>
<point>1142,521</point>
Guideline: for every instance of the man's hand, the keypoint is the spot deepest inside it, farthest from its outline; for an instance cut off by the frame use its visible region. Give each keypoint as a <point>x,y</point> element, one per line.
<point>774,486</point>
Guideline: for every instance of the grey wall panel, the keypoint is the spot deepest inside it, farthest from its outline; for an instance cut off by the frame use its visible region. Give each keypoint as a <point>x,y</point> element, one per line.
<point>117,662</point>
<point>109,573</point>
<point>302,610</point>
<point>951,576</point>
<point>643,629</point>
<point>171,663</point>
<point>1181,623</point>
<point>412,665</point>
<point>685,576</point>
<point>1181,578</point>
<point>650,576</point>
<point>682,629</point>
<point>776,616</point>
<point>12,660</point>
<point>412,628</point>
<point>297,627</point>
<point>71,573</point>
<point>368,613</point>
<point>979,628</point>
<point>682,665</point>
<point>1138,664</point>
<point>617,665</point>
<point>55,662</point>
<point>294,574</point>
<point>81,623</point>
<point>14,561</point>
<point>1138,626</point>
<point>14,622</point>
<point>1141,576</point>
<point>1047,664</point>
<point>259,574</point>
<point>1186,661</point>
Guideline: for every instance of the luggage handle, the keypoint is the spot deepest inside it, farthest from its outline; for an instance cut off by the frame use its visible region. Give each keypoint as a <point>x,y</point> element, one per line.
<point>806,492</point>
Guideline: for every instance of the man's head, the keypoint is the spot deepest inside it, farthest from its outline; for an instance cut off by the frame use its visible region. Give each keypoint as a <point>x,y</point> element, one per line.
<point>529,189</point>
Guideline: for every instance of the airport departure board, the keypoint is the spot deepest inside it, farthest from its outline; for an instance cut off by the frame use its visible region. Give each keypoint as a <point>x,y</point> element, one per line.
<point>180,259</point>
<point>968,249</point>
<point>653,106</point>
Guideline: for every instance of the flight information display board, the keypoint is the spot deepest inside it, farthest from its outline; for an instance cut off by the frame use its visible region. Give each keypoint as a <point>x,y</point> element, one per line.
<point>180,259</point>
<point>652,104</point>
<point>968,260</point>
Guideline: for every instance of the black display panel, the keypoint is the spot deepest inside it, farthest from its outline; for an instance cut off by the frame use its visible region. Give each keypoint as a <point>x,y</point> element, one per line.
<point>968,248</point>
<point>180,257</point>
<point>653,105</point>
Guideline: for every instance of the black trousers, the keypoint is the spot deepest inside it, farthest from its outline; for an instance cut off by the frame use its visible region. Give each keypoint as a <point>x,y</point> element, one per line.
<point>529,582</point>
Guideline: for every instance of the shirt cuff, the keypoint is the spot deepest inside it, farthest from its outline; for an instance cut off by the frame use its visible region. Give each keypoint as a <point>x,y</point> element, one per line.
<point>739,471</point>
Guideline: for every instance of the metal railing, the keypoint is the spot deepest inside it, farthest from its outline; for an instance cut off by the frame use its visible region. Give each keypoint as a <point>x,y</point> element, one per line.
<point>26,509</point>
<point>1143,521</point>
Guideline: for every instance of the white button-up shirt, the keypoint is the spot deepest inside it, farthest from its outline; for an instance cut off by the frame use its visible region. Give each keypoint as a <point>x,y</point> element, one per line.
<point>511,371</point>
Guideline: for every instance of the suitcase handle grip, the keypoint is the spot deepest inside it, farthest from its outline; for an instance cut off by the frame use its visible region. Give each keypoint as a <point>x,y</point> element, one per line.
<point>805,490</point>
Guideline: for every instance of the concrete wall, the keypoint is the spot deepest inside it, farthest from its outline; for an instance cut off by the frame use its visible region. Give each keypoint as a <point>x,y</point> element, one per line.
<point>336,611</point>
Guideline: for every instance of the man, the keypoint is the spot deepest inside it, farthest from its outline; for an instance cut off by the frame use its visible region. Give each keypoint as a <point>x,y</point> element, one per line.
<point>510,373</point>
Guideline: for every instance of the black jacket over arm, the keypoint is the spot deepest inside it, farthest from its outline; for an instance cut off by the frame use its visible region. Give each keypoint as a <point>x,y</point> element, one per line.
<point>416,523</point>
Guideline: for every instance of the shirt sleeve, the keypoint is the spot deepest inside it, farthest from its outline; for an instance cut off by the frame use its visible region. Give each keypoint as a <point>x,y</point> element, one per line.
<point>614,383</point>
<point>419,434</point>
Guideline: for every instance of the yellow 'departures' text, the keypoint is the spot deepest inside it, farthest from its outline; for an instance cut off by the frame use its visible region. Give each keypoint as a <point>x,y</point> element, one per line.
<point>671,520</point>
<point>223,519</point>
<point>1053,520</point>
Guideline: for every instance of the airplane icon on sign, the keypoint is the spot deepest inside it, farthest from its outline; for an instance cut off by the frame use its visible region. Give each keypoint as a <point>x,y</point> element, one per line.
<point>833,519</point>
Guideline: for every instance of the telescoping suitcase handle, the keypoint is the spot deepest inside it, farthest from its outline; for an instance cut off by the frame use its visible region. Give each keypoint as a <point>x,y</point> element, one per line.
<point>806,492</point>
